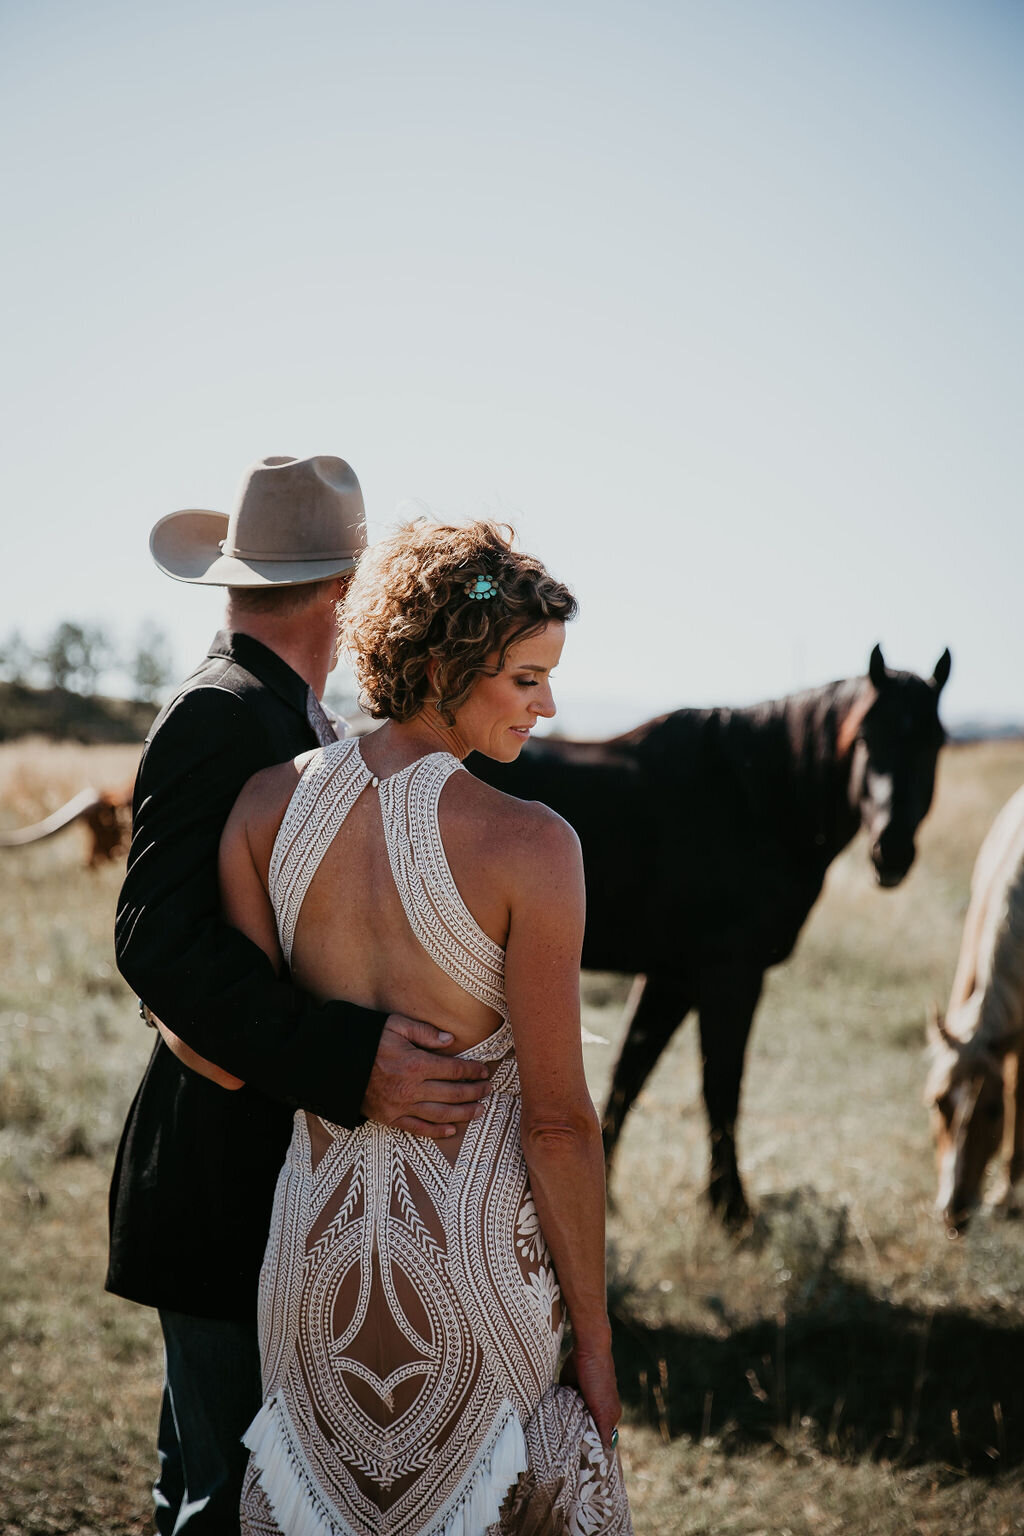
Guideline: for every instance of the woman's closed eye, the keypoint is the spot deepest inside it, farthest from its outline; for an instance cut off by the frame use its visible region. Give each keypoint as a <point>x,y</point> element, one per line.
<point>527,682</point>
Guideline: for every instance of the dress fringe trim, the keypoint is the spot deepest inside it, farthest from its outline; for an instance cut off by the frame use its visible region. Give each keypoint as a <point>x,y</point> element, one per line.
<point>472,1511</point>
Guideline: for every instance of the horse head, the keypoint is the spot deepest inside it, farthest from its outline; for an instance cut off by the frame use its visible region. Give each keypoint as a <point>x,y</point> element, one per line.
<point>964,1092</point>
<point>895,751</point>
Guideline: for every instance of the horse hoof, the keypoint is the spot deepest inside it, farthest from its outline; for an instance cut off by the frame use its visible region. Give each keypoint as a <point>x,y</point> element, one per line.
<point>730,1207</point>
<point>1007,1207</point>
<point>737,1219</point>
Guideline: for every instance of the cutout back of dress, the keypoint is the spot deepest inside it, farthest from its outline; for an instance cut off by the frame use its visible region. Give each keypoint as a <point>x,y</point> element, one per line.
<point>410,1316</point>
<point>331,783</point>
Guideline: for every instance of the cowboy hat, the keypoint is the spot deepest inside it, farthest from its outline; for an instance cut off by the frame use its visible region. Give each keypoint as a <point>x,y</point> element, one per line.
<point>296,520</point>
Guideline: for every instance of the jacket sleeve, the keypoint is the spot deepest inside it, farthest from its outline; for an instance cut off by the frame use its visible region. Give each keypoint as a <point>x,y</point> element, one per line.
<point>208,982</point>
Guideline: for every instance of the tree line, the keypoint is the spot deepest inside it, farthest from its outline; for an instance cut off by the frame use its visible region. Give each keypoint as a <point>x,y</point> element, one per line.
<point>79,658</point>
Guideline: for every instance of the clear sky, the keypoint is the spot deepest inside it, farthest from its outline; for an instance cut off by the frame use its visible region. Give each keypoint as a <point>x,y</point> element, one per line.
<point>718,301</point>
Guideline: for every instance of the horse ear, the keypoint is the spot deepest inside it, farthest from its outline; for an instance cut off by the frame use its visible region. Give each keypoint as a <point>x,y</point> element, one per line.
<point>938,1034</point>
<point>933,1029</point>
<point>876,669</point>
<point>936,1078</point>
<point>940,677</point>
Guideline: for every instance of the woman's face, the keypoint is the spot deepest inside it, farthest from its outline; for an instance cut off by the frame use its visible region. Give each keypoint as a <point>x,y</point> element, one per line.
<point>502,709</point>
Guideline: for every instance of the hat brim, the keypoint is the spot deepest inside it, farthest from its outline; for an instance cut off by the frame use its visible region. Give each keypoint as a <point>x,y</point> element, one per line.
<point>186,545</point>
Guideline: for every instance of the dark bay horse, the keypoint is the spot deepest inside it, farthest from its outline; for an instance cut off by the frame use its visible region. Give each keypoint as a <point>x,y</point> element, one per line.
<point>706,836</point>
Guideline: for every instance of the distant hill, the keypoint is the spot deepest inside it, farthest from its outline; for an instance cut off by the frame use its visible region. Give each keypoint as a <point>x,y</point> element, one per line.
<point>70,716</point>
<point>986,729</point>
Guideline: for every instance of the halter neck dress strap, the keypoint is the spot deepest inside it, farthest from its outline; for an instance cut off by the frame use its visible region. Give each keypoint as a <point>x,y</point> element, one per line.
<point>437,914</point>
<point>328,788</point>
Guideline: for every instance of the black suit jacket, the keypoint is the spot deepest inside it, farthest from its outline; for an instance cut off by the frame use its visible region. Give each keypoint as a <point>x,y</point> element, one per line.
<point>194,1179</point>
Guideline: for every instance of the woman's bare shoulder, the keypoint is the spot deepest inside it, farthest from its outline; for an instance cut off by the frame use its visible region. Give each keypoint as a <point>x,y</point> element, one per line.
<point>525,830</point>
<point>259,810</point>
<point>267,793</point>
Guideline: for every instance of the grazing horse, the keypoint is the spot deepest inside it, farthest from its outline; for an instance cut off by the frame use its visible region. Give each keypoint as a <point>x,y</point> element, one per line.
<point>706,836</point>
<point>107,813</point>
<point>973,1087</point>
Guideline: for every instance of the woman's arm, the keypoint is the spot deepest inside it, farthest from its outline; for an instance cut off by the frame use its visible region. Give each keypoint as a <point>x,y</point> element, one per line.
<point>245,902</point>
<point>246,906</point>
<point>561,1134</point>
<point>188,1058</point>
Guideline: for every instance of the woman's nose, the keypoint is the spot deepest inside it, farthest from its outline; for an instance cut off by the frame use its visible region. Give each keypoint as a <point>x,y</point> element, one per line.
<point>544,702</point>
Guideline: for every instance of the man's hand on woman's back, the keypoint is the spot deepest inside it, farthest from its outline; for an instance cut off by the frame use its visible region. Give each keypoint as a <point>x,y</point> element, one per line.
<point>414,1088</point>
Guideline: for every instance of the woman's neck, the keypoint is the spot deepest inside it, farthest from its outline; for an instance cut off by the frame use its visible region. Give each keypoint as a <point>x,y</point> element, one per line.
<point>400,742</point>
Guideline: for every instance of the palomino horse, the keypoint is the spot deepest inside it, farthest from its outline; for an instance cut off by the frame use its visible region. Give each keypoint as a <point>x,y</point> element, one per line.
<point>706,836</point>
<point>973,1086</point>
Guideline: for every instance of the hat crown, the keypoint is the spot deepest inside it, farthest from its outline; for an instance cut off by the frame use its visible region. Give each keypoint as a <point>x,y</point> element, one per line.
<point>297,509</point>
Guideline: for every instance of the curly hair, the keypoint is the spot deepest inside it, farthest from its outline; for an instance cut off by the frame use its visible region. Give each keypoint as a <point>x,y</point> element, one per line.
<point>410,605</point>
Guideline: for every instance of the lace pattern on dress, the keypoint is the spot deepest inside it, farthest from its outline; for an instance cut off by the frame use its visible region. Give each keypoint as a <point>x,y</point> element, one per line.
<point>329,787</point>
<point>410,1316</point>
<point>437,913</point>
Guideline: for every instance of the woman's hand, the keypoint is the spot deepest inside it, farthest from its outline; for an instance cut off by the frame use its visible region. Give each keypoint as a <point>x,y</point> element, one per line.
<point>593,1374</point>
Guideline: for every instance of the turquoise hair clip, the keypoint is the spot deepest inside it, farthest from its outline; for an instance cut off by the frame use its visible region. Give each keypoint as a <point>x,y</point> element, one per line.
<point>480,588</point>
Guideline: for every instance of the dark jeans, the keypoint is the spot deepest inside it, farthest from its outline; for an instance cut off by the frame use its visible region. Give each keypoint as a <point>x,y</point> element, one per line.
<point>211,1395</point>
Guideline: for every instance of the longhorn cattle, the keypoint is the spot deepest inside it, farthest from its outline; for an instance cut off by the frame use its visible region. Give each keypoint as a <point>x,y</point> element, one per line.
<point>706,836</point>
<point>106,813</point>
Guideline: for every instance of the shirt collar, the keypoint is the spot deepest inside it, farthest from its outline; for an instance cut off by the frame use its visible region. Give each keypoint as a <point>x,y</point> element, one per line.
<point>263,663</point>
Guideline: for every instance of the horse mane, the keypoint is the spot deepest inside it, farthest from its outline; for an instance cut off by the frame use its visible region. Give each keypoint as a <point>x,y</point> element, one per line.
<point>1000,962</point>
<point>814,732</point>
<point>821,723</point>
<point>795,752</point>
<point>994,931</point>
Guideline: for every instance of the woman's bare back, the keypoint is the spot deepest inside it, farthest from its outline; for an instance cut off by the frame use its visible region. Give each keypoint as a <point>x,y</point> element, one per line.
<point>353,936</point>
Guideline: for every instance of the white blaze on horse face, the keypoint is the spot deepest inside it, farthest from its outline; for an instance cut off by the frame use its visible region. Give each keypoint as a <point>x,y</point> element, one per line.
<point>957,1193</point>
<point>947,1154</point>
<point>968,1128</point>
<point>947,1182</point>
<point>878,791</point>
<point>876,812</point>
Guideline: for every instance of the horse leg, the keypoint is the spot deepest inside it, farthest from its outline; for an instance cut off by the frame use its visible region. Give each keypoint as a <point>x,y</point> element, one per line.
<point>728,997</point>
<point>656,1005</point>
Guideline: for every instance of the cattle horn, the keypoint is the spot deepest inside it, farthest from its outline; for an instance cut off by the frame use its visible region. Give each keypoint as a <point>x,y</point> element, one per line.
<point>86,800</point>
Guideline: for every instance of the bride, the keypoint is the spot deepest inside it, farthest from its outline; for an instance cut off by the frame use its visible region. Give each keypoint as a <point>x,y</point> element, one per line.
<point>413,1293</point>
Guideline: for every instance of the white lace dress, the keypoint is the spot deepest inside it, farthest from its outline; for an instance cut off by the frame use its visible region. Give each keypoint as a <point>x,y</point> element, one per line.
<point>410,1317</point>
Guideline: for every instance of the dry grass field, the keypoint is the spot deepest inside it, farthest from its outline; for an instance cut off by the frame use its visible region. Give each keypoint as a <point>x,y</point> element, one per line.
<point>843,1368</point>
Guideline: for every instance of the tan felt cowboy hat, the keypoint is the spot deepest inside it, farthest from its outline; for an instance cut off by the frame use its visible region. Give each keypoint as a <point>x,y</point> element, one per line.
<point>297,520</point>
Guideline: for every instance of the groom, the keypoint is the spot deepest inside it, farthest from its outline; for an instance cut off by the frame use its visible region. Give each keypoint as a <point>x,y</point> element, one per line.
<point>195,1173</point>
